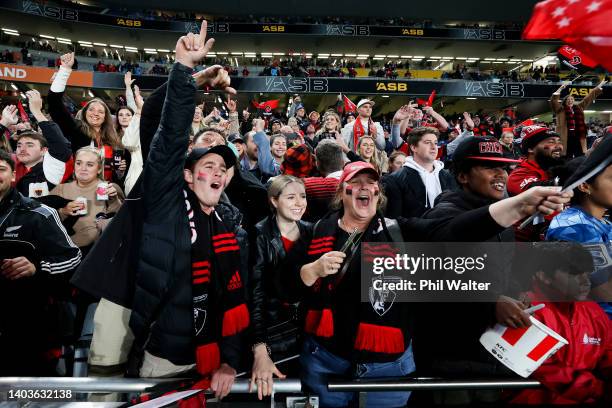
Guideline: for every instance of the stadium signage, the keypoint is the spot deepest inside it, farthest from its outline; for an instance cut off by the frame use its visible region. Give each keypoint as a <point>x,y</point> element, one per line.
<point>128,23</point>
<point>392,86</point>
<point>273,28</point>
<point>579,91</point>
<point>495,89</point>
<point>296,85</point>
<point>58,13</point>
<point>348,30</point>
<point>413,32</point>
<point>484,34</point>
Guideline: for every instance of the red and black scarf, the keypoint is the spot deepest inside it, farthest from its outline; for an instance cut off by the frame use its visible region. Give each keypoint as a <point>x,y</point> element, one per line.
<point>574,117</point>
<point>373,333</point>
<point>359,131</point>
<point>219,307</point>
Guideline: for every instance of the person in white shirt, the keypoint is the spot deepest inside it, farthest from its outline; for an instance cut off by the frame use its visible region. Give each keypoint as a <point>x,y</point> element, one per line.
<point>363,125</point>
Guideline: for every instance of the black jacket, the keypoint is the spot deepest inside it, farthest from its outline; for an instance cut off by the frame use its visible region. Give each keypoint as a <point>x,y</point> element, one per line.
<point>267,309</point>
<point>165,251</point>
<point>466,320</point>
<point>52,168</point>
<point>405,191</point>
<point>25,329</point>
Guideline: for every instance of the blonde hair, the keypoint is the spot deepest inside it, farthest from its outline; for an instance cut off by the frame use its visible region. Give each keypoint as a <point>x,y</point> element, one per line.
<point>325,116</point>
<point>96,152</point>
<point>379,159</point>
<point>278,185</point>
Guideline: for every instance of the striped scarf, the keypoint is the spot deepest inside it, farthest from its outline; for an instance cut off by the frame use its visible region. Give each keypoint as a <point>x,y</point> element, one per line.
<point>219,308</point>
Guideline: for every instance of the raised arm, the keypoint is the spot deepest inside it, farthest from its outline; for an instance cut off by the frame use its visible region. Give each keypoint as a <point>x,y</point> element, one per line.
<point>129,94</point>
<point>593,94</point>
<point>58,111</point>
<point>555,102</point>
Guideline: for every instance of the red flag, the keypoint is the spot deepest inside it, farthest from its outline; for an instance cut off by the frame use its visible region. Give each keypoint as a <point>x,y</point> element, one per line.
<point>349,106</point>
<point>582,24</point>
<point>429,101</point>
<point>273,104</point>
<point>575,60</point>
<point>22,112</point>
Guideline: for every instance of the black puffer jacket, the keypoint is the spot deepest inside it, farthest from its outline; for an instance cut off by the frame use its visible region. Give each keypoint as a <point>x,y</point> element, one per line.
<point>267,309</point>
<point>165,250</point>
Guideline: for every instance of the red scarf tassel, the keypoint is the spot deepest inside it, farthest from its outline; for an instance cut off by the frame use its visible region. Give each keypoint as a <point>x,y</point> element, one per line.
<point>208,358</point>
<point>379,339</point>
<point>320,323</point>
<point>235,320</point>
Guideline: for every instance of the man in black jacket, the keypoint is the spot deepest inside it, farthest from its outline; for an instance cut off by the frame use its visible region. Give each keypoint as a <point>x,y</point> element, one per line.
<point>189,306</point>
<point>413,189</point>
<point>34,251</point>
<point>480,169</point>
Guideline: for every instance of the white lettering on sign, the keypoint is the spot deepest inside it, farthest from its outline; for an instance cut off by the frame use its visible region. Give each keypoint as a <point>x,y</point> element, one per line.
<point>12,73</point>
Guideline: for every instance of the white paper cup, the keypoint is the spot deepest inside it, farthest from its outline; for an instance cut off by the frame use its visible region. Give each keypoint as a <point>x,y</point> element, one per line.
<point>83,210</point>
<point>102,191</point>
<point>522,350</point>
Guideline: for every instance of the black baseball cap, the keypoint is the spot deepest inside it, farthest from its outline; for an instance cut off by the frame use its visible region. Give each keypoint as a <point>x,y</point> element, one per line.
<point>222,150</point>
<point>481,149</point>
<point>235,138</point>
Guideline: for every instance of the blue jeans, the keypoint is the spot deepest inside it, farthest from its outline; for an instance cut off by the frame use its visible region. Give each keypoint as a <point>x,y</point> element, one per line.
<point>318,364</point>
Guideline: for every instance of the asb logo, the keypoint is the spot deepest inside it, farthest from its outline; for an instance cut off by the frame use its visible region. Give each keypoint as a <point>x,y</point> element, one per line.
<point>392,86</point>
<point>579,91</point>
<point>129,23</point>
<point>273,29</point>
<point>412,31</point>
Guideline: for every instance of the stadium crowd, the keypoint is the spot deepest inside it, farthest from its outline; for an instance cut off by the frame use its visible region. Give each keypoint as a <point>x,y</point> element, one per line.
<point>213,239</point>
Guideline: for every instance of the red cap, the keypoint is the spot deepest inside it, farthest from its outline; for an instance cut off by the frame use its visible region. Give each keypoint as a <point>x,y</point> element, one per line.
<point>353,168</point>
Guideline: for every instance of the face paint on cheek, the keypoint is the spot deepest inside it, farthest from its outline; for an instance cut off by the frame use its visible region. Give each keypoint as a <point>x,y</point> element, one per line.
<point>348,190</point>
<point>202,176</point>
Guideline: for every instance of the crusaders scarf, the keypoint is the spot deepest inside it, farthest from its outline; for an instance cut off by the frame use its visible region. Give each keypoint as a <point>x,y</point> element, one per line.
<point>219,308</point>
<point>373,333</point>
<point>574,117</point>
<point>359,131</point>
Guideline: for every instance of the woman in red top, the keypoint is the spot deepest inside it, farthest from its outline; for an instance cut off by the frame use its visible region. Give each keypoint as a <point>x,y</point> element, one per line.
<point>95,125</point>
<point>274,322</point>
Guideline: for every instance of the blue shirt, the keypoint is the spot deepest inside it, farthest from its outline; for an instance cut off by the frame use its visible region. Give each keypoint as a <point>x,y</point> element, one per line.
<point>574,224</point>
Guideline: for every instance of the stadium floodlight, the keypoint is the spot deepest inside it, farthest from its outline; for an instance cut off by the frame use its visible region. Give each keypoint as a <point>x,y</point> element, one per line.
<point>162,50</point>
<point>236,52</point>
<point>527,60</point>
<point>471,98</point>
<point>385,96</point>
<point>222,53</point>
<point>278,53</point>
<point>63,39</point>
<point>64,42</point>
<point>435,57</point>
<point>489,59</point>
<point>116,46</point>
<point>323,55</point>
<point>461,58</point>
<point>379,56</point>
<point>406,56</point>
<point>392,56</point>
<point>100,44</point>
<point>131,49</point>
<point>11,33</point>
<point>502,59</point>
<point>497,62</point>
<point>350,55</point>
<point>47,36</point>
<point>336,55</point>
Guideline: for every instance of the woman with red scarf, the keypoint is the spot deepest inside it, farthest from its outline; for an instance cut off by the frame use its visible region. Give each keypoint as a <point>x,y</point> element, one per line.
<point>570,119</point>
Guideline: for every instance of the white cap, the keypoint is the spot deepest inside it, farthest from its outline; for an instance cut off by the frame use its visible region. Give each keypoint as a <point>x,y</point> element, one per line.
<point>364,101</point>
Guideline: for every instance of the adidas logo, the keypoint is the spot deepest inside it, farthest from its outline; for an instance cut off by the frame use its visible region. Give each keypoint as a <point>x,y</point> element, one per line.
<point>235,283</point>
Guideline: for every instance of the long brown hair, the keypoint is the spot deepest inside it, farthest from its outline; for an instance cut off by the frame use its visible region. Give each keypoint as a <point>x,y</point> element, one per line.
<point>108,134</point>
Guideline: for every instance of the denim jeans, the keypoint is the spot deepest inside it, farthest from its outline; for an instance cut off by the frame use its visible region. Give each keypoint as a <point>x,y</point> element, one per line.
<point>318,364</point>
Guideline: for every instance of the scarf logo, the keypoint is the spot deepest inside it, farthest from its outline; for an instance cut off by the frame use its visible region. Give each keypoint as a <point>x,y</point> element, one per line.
<point>235,283</point>
<point>382,300</point>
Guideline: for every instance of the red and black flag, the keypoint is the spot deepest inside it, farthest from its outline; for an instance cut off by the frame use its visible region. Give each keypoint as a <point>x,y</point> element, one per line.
<point>574,59</point>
